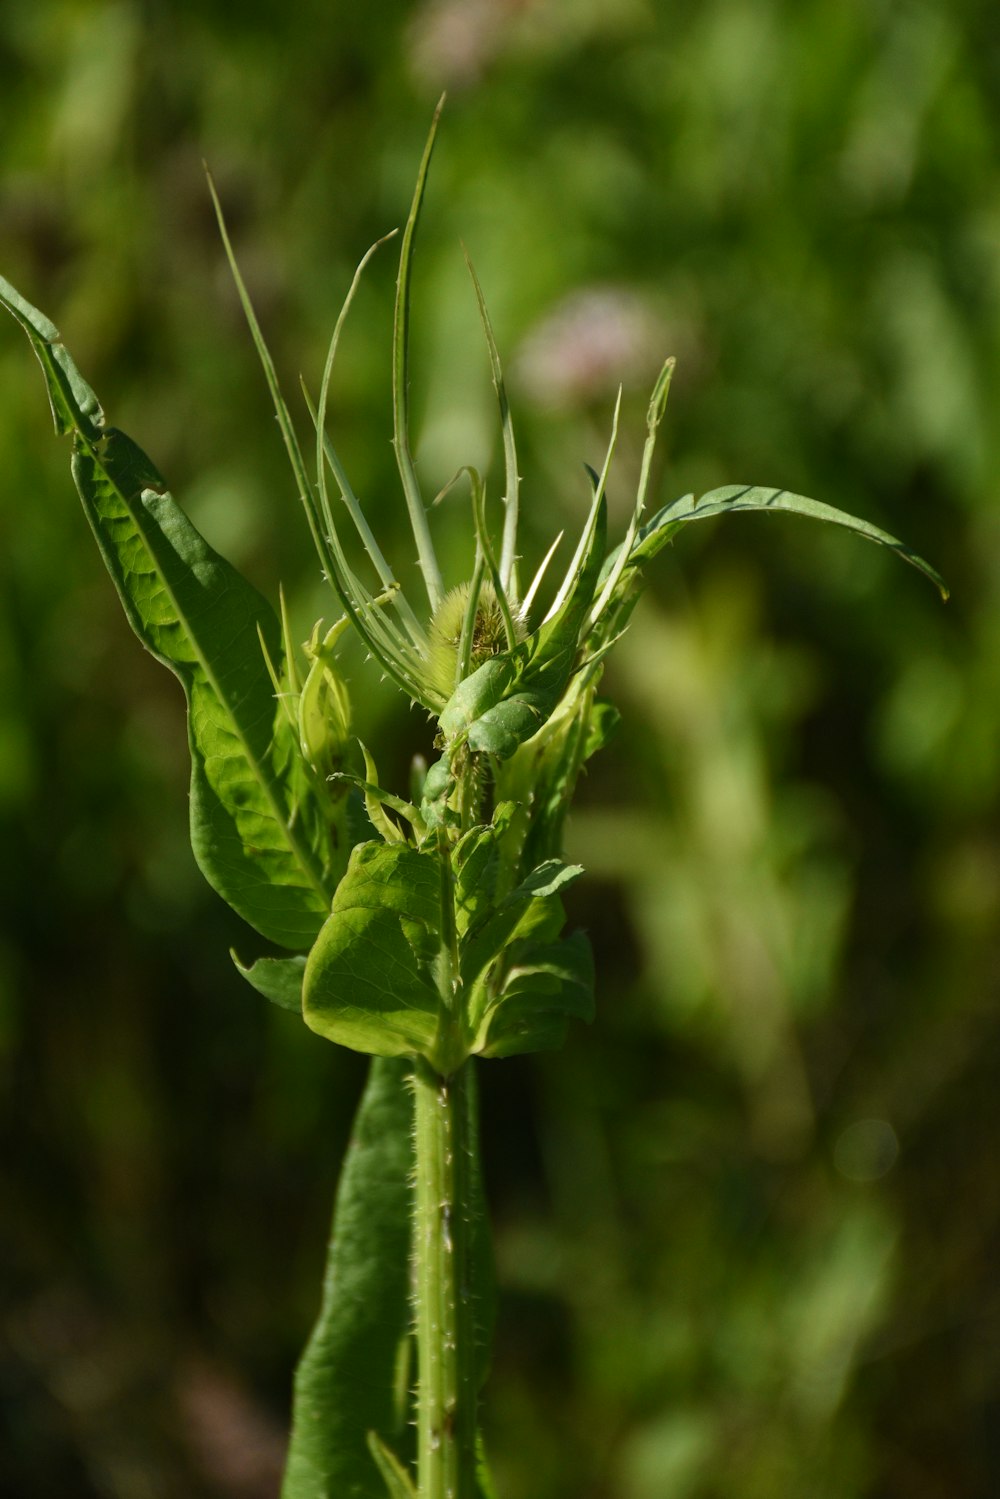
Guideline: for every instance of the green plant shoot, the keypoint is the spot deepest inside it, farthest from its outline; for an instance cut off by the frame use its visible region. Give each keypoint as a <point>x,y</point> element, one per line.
<point>428,932</point>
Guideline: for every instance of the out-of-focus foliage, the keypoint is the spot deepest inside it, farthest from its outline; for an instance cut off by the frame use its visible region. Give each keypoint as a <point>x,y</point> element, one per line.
<point>748,1226</point>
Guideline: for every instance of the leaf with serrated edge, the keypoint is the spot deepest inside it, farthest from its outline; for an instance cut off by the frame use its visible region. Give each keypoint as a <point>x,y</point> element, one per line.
<point>199,617</point>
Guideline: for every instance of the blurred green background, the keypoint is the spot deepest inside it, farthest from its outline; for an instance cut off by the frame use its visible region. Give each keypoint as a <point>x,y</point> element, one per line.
<point>748,1225</point>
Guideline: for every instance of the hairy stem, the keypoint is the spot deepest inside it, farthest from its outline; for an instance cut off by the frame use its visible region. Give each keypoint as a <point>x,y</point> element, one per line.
<point>443,1290</point>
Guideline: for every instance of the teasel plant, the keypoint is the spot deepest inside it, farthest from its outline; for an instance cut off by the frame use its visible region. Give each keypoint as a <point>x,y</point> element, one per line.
<point>426,930</point>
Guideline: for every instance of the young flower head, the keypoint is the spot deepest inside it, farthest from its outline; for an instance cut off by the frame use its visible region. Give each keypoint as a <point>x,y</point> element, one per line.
<point>471,659</point>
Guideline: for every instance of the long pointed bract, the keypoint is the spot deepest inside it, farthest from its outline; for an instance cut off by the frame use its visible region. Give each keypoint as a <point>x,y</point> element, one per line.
<point>281,411</point>
<point>347,493</point>
<point>508,545</point>
<point>400,387</point>
<point>654,416</point>
<point>588,530</point>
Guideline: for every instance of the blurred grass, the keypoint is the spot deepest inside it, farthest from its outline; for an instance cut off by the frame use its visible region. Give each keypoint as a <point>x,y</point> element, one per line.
<point>747,1225</point>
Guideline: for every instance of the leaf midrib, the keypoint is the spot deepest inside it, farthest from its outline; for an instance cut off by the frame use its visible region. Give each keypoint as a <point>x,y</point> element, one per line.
<point>138,514</point>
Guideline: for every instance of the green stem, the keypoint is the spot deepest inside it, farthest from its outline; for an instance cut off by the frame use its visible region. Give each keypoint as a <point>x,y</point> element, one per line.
<point>443,1290</point>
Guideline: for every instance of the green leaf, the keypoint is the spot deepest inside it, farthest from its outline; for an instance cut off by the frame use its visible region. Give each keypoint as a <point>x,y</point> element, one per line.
<point>484,1479</point>
<point>482,1263</point>
<point>278,979</point>
<point>547,879</point>
<point>366,984</point>
<point>477,694</point>
<point>74,405</point>
<point>345,1382</point>
<point>398,1483</point>
<point>733,497</point>
<point>547,985</point>
<point>512,481</point>
<point>554,645</point>
<point>479,866</point>
<point>252,829</point>
<point>611,573</point>
<point>602,725</point>
<point>508,699</point>
<point>533,910</point>
<point>541,777</point>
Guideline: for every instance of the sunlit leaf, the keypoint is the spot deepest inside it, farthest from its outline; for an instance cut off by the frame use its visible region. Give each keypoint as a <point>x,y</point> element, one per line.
<point>251,837</point>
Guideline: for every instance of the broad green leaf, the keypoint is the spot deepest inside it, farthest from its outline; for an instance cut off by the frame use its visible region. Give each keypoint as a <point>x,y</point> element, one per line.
<point>251,827</point>
<point>366,984</point>
<point>735,497</point>
<point>278,979</point>
<point>345,1382</point>
<point>547,879</point>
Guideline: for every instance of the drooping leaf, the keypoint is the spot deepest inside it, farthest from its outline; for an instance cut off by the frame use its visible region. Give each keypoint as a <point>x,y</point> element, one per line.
<point>278,979</point>
<point>735,497</point>
<point>251,828</point>
<point>366,983</point>
<point>345,1381</point>
<point>75,407</point>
